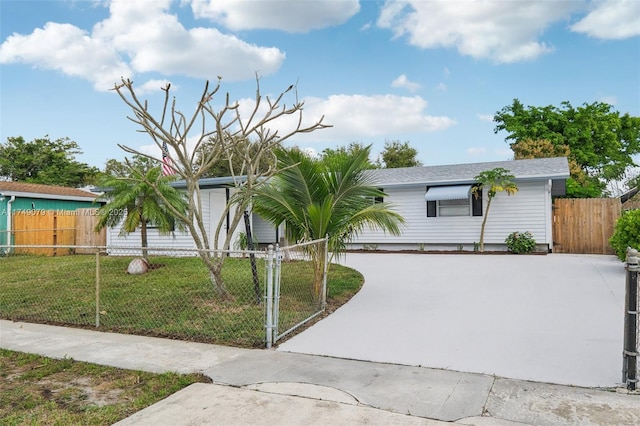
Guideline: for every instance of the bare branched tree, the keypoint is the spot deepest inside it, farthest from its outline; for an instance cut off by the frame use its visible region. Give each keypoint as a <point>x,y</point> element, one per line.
<point>226,135</point>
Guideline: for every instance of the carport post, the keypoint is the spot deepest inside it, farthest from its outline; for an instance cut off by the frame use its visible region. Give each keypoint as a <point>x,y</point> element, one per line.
<point>630,352</point>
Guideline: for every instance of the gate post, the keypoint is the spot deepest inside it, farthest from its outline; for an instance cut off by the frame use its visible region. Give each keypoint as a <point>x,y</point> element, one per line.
<point>269,302</point>
<point>630,351</point>
<point>276,292</point>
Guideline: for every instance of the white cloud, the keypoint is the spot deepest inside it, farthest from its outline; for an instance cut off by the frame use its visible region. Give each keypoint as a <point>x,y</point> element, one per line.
<point>611,19</point>
<point>476,150</point>
<point>503,31</point>
<point>356,117</point>
<point>152,150</point>
<point>68,49</point>
<point>140,36</point>
<point>377,115</point>
<point>403,82</point>
<point>485,117</point>
<point>289,16</point>
<point>153,86</point>
<point>156,41</point>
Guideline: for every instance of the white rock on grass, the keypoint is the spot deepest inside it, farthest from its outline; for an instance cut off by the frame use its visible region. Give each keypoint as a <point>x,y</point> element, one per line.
<point>138,266</point>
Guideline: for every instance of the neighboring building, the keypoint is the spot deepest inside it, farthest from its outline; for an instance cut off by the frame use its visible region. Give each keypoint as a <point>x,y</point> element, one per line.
<point>436,202</point>
<point>35,198</point>
<point>442,214</point>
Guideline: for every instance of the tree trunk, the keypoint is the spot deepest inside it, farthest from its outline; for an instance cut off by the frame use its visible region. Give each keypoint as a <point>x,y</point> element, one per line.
<point>143,235</point>
<point>318,274</point>
<point>215,274</point>
<point>484,222</point>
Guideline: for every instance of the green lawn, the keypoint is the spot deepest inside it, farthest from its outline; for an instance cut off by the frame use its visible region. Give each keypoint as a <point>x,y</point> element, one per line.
<point>176,299</point>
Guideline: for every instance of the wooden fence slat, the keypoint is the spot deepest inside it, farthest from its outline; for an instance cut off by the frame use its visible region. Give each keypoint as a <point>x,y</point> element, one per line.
<point>86,220</point>
<point>584,225</point>
<point>33,227</point>
<point>55,227</point>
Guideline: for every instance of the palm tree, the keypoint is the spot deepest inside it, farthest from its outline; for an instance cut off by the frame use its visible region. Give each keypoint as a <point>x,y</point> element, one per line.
<point>134,200</point>
<point>333,197</point>
<point>495,180</point>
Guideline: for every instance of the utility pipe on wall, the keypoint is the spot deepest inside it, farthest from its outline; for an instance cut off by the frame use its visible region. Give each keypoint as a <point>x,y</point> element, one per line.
<point>9,224</point>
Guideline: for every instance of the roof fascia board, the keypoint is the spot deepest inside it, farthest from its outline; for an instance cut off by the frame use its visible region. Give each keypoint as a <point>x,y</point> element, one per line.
<point>468,181</point>
<point>47,196</point>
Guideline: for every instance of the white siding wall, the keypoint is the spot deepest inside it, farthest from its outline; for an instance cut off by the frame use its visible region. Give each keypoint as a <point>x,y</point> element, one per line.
<point>528,210</point>
<point>212,207</point>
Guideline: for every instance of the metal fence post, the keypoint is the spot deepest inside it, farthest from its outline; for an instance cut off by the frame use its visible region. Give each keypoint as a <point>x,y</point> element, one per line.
<point>630,352</point>
<point>269,302</point>
<point>276,293</point>
<point>97,288</point>
<point>326,269</point>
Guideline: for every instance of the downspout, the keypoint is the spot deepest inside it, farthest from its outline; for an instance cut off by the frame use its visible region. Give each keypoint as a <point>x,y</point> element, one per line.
<point>9,225</point>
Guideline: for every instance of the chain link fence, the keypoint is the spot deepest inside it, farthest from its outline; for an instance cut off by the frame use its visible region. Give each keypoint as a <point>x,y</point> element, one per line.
<point>631,343</point>
<point>171,294</point>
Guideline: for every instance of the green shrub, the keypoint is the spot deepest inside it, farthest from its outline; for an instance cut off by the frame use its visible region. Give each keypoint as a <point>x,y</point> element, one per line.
<point>520,242</point>
<point>626,233</point>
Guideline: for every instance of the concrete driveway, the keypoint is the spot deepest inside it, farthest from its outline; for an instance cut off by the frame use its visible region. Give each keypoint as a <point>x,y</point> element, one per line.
<point>556,318</point>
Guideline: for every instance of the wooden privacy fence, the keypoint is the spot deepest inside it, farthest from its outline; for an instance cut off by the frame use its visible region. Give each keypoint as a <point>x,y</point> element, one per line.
<point>584,225</point>
<point>55,228</point>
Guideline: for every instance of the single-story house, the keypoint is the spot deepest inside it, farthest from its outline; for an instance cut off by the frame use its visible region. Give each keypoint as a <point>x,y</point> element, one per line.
<point>35,199</point>
<point>440,211</point>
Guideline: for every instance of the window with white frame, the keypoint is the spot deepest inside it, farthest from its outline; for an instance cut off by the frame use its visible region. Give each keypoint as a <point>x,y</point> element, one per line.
<point>458,200</point>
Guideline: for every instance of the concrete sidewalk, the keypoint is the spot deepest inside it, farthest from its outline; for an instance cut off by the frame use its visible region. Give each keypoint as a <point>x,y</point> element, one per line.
<point>270,387</point>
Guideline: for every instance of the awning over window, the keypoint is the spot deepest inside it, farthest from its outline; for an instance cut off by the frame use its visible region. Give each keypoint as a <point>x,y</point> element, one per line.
<point>439,193</point>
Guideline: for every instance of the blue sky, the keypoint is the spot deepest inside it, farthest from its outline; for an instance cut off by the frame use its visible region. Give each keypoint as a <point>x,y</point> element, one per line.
<point>432,73</point>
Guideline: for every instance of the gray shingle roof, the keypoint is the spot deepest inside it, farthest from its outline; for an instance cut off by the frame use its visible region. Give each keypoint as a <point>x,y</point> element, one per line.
<point>533,169</point>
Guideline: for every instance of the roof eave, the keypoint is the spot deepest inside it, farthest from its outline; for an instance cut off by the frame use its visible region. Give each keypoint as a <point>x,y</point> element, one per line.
<point>47,196</point>
<point>469,181</point>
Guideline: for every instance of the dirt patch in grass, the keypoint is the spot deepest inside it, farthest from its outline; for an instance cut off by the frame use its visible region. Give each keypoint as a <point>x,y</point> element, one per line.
<point>45,391</point>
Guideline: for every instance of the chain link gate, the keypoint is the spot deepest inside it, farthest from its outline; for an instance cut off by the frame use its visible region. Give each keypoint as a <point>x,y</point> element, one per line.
<point>296,287</point>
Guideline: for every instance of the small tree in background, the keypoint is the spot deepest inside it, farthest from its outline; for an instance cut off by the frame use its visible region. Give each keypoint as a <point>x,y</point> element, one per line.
<point>495,180</point>
<point>602,141</point>
<point>44,161</point>
<point>398,154</point>
<point>579,185</point>
<point>345,152</point>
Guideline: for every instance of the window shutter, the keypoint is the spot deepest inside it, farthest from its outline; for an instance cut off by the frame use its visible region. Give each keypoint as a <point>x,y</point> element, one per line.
<point>379,199</point>
<point>476,202</point>
<point>431,209</point>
